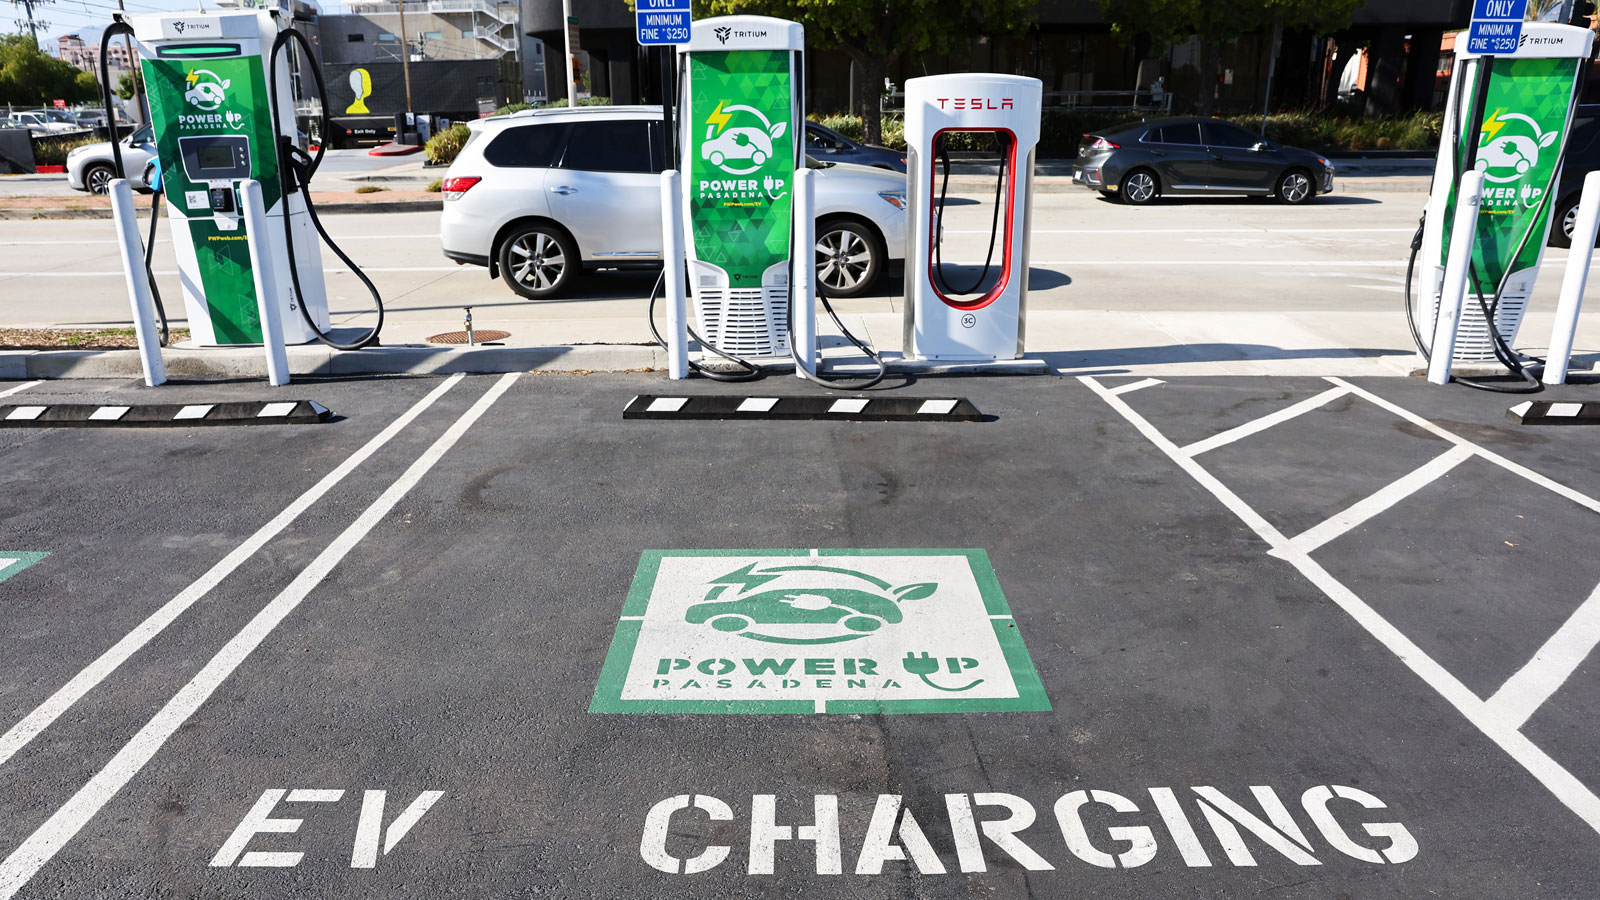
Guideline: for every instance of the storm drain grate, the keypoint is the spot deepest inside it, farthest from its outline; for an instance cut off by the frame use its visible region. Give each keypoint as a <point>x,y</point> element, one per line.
<point>460,337</point>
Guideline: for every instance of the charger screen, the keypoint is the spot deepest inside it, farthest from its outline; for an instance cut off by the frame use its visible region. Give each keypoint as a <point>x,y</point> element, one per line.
<point>215,157</point>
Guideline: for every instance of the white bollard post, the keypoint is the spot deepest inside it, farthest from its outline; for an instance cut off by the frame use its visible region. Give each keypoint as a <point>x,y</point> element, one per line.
<point>266,278</point>
<point>140,296</point>
<point>1565,329</point>
<point>804,290</point>
<point>672,262</point>
<point>1463,237</point>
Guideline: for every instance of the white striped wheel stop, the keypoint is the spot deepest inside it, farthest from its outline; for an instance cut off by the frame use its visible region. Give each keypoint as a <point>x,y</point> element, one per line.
<point>147,415</point>
<point>853,409</point>
<point>1548,412</point>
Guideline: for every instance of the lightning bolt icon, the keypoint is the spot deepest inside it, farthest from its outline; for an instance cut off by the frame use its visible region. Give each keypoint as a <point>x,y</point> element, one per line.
<point>191,78</point>
<point>719,118</point>
<point>744,577</point>
<point>1492,126</point>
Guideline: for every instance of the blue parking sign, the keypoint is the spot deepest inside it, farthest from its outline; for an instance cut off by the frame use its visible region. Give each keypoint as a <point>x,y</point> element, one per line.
<point>1496,10</point>
<point>662,21</point>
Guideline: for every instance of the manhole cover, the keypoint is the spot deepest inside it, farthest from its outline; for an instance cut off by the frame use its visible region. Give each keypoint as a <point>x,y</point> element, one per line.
<point>460,337</point>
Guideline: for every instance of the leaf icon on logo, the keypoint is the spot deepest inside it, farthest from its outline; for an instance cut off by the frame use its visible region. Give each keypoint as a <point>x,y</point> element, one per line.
<point>915,591</point>
<point>779,129</point>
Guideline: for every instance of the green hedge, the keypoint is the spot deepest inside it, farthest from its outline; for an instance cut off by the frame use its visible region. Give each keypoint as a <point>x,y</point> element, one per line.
<point>53,151</point>
<point>554,104</point>
<point>1061,130</point>
<point>441,149</point>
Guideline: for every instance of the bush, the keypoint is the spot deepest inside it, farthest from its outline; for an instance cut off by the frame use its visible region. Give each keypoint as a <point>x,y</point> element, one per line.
<point>1316,131</point>
<point>442,148</point>
<point>53,151</point>
<point>436,186</point>
<point>370,189</point>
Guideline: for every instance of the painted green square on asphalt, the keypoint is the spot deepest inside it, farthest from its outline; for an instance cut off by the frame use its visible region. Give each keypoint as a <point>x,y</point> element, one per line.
<point>817,631</point>
<point>14,561</point>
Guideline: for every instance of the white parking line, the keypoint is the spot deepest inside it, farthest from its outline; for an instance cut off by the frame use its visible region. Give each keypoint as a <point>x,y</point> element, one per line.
<point>1491,721</point>
<point>1262,424</point>
<point>1549,484</point>
<point>93,674</point>
<point>1551,666</point>
<point>1385,497</point>
<point>19,388</point>
<point>1136,386</point>
<point>66,822</point>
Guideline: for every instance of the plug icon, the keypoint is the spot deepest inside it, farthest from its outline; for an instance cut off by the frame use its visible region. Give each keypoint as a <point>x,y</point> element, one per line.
<point>924,664</point>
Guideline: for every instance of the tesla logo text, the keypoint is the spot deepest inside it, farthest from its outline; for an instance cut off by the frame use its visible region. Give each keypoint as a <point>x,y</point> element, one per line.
<point>977,103</point>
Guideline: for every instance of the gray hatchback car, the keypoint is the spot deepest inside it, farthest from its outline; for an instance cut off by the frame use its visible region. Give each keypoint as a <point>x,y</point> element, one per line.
<point>1140,161</point>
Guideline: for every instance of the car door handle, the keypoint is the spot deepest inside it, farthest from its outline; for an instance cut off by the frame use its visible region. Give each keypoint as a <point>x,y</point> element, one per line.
<point>1158,153</point>
<point>1218,157</point>
<point>564,189</point>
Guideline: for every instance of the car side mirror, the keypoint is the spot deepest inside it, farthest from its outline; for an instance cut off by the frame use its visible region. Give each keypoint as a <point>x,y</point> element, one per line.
<point>1259,146</point>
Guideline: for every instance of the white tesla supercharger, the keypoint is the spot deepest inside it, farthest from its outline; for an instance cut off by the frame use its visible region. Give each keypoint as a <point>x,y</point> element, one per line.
<point>950,314</point>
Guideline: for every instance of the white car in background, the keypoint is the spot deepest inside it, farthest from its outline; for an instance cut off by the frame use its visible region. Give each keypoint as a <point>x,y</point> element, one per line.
<point>92,167</point>
<point>541,196</point>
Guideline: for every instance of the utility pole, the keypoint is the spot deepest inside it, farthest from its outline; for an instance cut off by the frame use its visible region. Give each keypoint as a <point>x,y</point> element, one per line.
<point>405,55</point>
<point>33,24</point>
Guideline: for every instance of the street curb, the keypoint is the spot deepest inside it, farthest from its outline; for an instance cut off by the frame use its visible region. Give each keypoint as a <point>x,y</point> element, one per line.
<point>323,361</point>
<point>388,206</point>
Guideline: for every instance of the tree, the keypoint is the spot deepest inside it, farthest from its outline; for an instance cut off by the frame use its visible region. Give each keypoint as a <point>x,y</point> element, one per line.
<point>874,33</point>
<point>1216,24</point>
<point>130,82</point>
<point>29,77</point>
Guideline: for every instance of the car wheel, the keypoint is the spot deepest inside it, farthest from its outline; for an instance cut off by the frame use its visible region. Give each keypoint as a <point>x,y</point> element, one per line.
<point>758,157</point>
<point>849,257</point>
<point>97,178</point>
<point>730,622</point>
<point>1566,221</point>
<point>1140,187</point>
<point>717,158</point>
<point>1294,186</point>
<point>538,261</point>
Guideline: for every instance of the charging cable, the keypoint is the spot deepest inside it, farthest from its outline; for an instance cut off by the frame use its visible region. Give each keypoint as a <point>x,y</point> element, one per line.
<point>1002,173</point>
<point>115,29</point>
<point>295,168</point>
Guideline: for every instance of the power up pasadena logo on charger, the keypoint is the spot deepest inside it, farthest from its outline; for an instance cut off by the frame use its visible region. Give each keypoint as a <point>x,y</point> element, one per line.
<point>1510,147</point>
<point>797,631</point>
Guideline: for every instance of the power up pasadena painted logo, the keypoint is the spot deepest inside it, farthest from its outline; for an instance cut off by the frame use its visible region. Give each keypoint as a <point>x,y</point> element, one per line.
<point>797,631</point>
<point>1509,146</point>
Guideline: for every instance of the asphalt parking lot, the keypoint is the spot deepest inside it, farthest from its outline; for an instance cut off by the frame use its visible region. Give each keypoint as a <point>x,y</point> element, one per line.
<point>1130,637</point>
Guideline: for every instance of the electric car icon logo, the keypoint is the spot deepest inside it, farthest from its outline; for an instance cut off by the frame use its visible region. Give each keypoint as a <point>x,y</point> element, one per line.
<point>1503,156</point>
<point>205,91</point>
<point>810,605</point>
<point>741,149</point>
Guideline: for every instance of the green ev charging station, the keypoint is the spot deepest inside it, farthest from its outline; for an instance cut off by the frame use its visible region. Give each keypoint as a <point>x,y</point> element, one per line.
<point>207,79</point>
<point>740,129</point>
<point>1507,118</point>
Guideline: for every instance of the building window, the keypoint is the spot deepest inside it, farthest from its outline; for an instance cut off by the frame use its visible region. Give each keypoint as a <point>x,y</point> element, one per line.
<point>469,32</point>
<point>355,38</point>
<point>433,35</point>
<point>386,38</point>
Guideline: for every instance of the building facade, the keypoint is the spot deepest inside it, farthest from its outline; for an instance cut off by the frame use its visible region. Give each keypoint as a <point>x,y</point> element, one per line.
<point>1072,50</point>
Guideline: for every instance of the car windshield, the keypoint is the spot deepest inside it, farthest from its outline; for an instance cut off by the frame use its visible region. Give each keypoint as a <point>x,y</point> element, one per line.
<point>141,136</point>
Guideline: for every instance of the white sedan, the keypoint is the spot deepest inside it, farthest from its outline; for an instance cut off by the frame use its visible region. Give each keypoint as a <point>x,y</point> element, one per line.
<point>539,196</point>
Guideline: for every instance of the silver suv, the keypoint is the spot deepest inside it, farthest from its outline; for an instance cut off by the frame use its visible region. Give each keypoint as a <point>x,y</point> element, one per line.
<point>541,196</point>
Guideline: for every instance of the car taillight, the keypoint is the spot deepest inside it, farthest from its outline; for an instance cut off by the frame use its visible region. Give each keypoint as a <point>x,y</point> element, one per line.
<point>1103,144</point>
<point>454,187</point>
